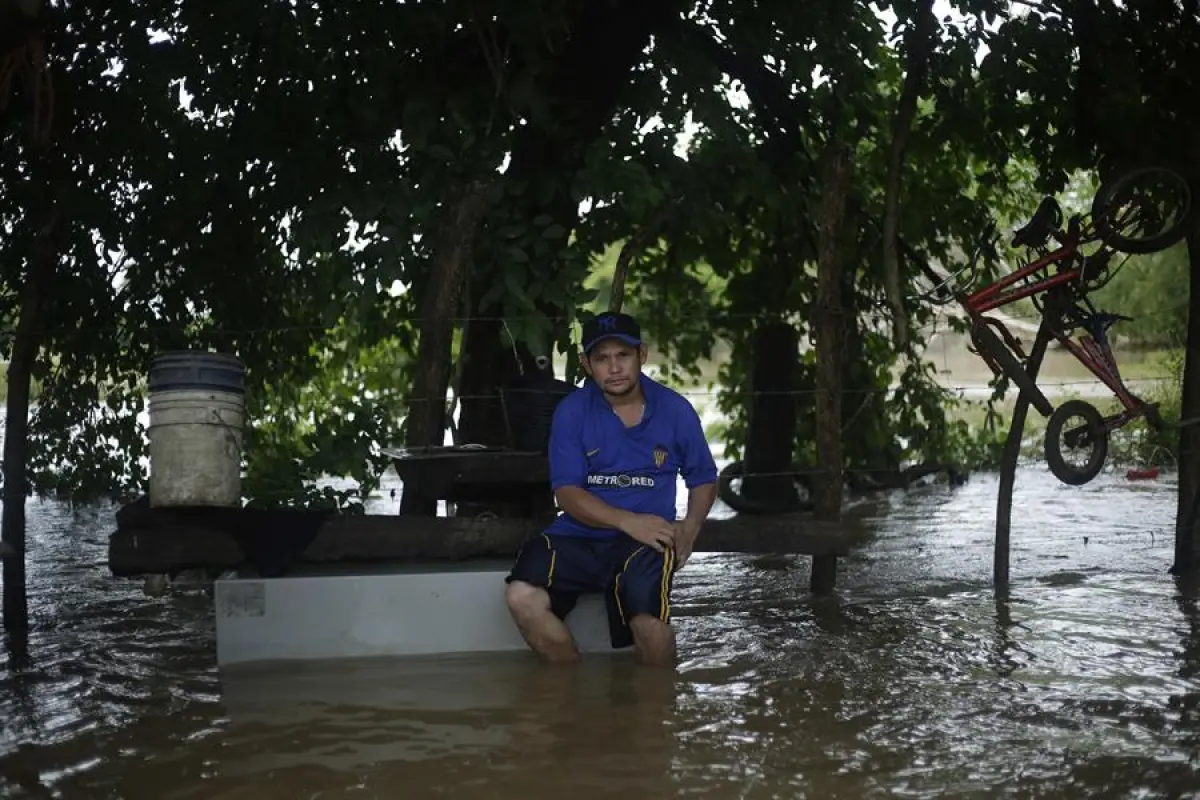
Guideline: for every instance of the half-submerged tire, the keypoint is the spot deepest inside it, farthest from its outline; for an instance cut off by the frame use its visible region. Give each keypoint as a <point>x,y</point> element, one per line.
<point>742,505</point>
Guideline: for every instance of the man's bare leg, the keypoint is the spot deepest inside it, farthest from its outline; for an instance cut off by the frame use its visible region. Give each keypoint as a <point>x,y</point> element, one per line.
<point>654,640</point>
<point>545,633</point>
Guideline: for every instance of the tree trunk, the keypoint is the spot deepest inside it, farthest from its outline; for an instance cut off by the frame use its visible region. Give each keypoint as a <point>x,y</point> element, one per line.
<point>26,343</point>
<point>1187,531</point>
<point>828,327</point>
<point>772,430</point>
<point>582,92</point>
<point>489,362</point>
<point>866,450</point>
<point>427,403</point>
<point>918,45</point>
<point>1001,546</point>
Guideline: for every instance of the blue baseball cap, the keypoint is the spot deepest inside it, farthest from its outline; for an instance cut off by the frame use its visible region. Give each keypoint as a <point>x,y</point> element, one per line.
<point>611,325</point>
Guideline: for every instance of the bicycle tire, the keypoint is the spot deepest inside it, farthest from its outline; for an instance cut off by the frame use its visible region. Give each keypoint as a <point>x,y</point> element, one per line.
<point>1068,474</point>
<point>1114,238</point>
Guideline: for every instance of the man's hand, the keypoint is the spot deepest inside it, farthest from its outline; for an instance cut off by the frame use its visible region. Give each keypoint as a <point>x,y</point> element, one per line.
<point>685,539</point>
<point>650,529</point>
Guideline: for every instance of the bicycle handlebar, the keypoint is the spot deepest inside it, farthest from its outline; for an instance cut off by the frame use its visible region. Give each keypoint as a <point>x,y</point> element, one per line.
<point>972,266</point>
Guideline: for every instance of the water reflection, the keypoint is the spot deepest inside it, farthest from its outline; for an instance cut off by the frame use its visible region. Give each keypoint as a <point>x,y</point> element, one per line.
<point>915,680</point>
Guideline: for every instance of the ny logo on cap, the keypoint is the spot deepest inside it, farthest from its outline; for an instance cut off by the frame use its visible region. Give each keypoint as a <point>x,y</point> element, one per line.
<point>607,323</point>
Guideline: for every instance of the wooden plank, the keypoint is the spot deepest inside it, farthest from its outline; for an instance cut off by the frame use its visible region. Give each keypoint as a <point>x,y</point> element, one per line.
<point>169,541</point>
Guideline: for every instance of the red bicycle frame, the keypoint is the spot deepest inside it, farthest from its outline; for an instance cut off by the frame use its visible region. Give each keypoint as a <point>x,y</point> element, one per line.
<point>994,295</point>
<point>1092,350</point>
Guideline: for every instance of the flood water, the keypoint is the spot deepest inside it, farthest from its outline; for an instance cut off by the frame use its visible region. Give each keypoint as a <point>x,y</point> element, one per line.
<point>912,682</point>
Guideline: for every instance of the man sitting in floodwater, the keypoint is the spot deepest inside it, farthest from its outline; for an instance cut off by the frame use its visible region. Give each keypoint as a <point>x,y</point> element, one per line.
<point>617,446</point>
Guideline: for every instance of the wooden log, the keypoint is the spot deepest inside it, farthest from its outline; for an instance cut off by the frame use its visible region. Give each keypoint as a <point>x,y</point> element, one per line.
<point>172,540</point>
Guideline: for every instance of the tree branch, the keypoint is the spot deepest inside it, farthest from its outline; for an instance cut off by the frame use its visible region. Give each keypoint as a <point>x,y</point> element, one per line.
<point>919,46</point>
<point>635,245</point>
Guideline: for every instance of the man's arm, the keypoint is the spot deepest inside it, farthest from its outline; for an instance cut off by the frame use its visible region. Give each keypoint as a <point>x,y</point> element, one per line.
<point>589,509</point>
<point>700,502</point>
<point>699,471</point>
<point>568,472</point>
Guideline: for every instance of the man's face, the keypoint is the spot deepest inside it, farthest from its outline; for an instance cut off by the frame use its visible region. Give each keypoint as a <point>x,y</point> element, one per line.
<point>615,366</point>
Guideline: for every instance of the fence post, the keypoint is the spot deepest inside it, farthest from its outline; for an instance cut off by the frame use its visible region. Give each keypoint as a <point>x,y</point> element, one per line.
<point>1008,464</point>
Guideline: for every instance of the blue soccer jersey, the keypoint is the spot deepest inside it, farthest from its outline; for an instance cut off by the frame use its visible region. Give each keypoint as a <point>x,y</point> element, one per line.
<point>635,468</point>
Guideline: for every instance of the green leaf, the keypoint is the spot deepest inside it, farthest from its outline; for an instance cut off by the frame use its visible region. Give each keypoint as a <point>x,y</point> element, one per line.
<point>518,291</point>
<point>489,298</point>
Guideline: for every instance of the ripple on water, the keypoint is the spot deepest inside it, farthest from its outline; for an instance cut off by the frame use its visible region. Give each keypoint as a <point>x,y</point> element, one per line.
<point>913,682</point>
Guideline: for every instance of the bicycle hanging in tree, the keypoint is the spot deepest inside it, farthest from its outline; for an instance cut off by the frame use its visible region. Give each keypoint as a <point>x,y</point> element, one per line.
<point>1124,211</point>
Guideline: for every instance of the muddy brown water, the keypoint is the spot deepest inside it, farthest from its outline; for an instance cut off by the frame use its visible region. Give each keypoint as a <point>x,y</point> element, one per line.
<point>912,682</point>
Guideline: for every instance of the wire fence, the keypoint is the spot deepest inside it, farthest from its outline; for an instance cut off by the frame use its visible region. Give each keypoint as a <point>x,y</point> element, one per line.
<point>734,392</point>
<point>694,388</point>
<point>876,312</point>
<point>527,478</point>
<point>982,390</point>
<point>389,485</point>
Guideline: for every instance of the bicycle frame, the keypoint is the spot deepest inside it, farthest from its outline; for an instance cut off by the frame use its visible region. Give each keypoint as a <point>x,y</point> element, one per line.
<point>1092,350</point>
<point>1096,355</point>
<point>994,296</point>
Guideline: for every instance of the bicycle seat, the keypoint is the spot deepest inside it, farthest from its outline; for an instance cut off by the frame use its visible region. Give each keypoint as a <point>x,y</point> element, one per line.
<point>1108,320</point>
<point>1097,324</point>
<point>1046,220</point>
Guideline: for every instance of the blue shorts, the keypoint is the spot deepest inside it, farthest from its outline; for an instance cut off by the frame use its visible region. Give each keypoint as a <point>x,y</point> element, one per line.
<point>634,578</point>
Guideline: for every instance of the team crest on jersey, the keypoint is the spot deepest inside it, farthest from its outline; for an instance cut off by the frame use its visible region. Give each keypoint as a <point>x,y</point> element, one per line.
<point>660,456</point>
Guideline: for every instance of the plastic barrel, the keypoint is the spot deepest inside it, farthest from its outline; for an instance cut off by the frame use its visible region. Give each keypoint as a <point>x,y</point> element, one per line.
<point>197,411</point>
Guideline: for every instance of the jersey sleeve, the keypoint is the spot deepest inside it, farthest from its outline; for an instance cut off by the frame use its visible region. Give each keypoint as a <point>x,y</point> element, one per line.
<point>698,466</point>
<point>568,466</point>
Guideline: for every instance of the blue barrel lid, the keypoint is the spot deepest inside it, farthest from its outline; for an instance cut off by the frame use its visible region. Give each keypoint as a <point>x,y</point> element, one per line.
<point>176,370</point>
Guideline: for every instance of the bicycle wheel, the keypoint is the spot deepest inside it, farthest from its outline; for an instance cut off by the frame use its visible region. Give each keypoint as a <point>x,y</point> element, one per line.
<point>1142,210</point>
<point>1091,437</point>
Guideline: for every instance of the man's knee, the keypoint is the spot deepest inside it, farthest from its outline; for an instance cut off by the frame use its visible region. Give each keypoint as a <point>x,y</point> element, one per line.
<point>524,599</point>
<point>645,626</point>
<point>654,639</point>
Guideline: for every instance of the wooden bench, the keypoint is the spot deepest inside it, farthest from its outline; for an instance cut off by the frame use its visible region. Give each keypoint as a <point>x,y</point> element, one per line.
<point>313,585</point>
